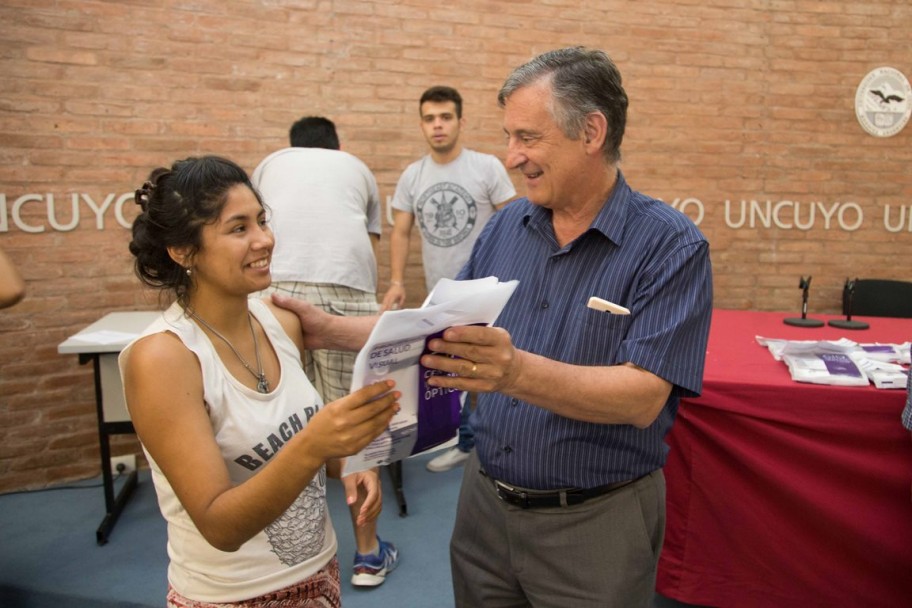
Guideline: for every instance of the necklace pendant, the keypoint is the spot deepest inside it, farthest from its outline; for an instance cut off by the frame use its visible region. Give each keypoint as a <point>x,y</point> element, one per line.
<point>263,385</point>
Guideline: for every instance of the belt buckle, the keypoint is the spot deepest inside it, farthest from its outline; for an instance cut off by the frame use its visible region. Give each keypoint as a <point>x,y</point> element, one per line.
<point>511,495</point>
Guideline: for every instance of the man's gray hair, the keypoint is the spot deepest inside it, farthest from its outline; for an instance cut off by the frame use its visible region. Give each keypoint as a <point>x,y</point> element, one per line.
<point>582,81</point>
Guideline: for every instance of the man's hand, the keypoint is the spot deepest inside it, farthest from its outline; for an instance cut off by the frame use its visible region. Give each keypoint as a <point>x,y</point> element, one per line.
<point>394,298</point>
<point>324,330</point>
<point>483,359</point>
<point>314,320</point>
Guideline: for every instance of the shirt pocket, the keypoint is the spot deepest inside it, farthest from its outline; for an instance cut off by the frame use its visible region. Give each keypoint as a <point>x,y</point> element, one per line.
<point>597,337</point>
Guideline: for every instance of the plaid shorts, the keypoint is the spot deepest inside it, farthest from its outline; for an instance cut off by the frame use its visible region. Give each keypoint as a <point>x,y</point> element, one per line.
<point>322,590</point>
<point>330,371</point>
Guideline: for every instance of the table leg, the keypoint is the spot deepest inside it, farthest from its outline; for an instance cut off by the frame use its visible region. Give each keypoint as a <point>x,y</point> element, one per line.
<point>395,471</point>
<point>119,502</point>
<point>114,504</point>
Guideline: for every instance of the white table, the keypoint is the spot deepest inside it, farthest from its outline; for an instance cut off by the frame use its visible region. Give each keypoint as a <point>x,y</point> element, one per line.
<point>101,342</point>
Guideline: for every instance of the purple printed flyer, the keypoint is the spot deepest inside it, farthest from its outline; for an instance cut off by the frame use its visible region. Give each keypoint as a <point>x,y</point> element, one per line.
<point>840,365</point>
<point>438,408</point>
<point>428,415</point>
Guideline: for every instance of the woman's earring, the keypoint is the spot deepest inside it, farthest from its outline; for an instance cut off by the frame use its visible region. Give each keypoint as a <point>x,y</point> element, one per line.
<point>189,272</point>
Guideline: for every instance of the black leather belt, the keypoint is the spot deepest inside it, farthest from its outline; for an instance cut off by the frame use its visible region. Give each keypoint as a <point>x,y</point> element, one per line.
<point>539,499</point>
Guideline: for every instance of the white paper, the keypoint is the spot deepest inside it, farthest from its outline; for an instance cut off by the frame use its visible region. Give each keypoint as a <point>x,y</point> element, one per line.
<point>779,348</point>
<point>882,373</point>
<point>841,362</point>
<point>395,346</point>
<point>890,353</point>
<point>888,379</point>
<point>827,368</point>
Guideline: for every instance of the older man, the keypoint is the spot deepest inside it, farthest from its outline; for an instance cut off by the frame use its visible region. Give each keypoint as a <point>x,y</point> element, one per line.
<point>565,505</point>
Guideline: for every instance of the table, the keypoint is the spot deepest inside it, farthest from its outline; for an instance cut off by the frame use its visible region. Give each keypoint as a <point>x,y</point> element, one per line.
<point>786,494</point>
<point>100,343</point>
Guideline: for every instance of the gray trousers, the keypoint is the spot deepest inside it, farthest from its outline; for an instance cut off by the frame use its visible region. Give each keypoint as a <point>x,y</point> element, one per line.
<point>601,553</point>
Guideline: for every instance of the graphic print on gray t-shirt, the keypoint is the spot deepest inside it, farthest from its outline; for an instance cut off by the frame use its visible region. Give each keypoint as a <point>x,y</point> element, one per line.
<point>299,532</point>
<point>446,214</point>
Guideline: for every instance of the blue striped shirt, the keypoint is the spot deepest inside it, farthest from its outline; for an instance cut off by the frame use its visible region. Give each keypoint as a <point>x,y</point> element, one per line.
<point>639,253</point>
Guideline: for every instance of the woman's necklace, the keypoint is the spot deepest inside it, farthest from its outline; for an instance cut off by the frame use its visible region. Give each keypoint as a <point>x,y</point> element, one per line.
<point>260,375</point>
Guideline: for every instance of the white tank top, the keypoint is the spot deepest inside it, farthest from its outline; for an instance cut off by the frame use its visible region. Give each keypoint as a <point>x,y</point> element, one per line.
<point>249,428</point>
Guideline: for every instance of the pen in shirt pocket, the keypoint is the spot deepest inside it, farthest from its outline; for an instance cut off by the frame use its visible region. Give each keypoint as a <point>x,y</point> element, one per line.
<point>606,306</point>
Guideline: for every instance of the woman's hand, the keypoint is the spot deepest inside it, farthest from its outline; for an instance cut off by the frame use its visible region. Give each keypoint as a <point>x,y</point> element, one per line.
<point>345,426</point>
<point>364,488</point>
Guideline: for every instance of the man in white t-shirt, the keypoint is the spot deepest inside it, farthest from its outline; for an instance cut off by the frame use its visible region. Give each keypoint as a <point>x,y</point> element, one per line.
<point>324,210</point>
<point>451,192</point>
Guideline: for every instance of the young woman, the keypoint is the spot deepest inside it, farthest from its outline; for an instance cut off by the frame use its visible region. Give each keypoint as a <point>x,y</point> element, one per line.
<point>237,438</point>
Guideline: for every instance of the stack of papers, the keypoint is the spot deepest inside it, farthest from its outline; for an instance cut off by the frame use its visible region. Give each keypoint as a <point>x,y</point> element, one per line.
<point>429,416</point>
<point>842,362</point>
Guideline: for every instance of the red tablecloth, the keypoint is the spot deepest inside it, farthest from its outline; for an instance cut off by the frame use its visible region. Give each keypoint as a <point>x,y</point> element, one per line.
<point>783,494</point>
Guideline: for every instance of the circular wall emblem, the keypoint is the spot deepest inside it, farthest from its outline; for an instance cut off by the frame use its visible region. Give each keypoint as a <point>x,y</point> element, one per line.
<point>882,102</point>
<point>446,214</point>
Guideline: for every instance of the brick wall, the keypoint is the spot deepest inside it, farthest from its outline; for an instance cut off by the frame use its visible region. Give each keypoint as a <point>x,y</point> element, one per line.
<point>730,101</point>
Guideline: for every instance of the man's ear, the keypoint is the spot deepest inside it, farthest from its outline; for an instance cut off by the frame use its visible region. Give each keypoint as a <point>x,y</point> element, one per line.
<point>595,131</point>
<point>181,255</point>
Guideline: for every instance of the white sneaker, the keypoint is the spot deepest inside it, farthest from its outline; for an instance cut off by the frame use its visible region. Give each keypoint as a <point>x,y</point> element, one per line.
<point>454,457</point>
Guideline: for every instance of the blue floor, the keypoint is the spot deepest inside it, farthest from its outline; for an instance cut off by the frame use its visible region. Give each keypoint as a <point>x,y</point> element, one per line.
<point>49,557</point>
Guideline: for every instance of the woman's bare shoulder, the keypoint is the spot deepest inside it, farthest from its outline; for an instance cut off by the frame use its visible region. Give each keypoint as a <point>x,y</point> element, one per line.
<point>289,322</point>
<point>162,350</point>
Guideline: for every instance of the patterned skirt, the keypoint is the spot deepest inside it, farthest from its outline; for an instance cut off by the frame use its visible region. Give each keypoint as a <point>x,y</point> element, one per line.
<point>322,590</point>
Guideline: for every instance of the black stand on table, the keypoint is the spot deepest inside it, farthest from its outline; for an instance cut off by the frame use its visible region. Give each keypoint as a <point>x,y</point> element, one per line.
<point>803,321</point>
<point>848,293</point>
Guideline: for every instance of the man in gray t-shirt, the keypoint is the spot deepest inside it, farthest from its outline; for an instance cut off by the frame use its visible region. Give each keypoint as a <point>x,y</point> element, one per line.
<point>451,192</point>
